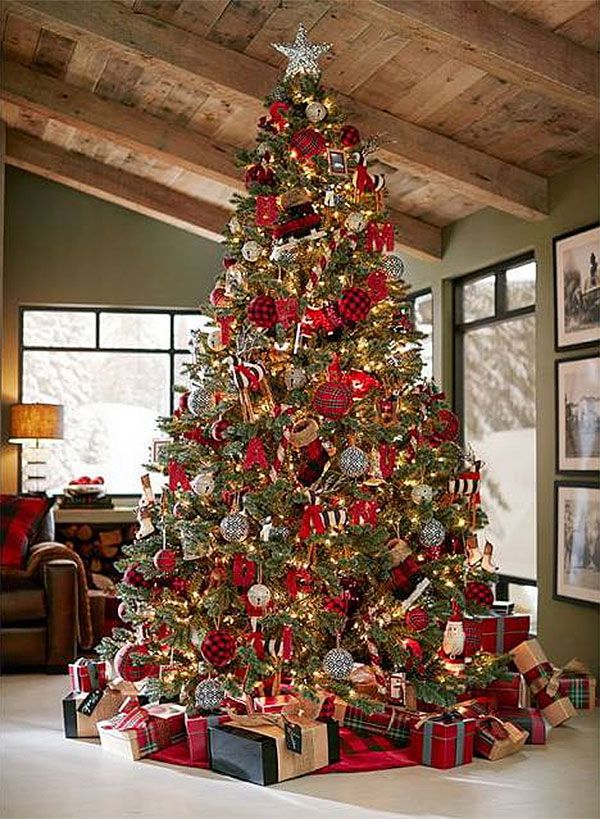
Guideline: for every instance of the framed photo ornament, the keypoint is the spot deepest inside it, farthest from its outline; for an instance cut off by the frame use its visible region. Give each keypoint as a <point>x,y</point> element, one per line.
<point>337,162</point>
<point>577,543</point>
<point>577,287</point>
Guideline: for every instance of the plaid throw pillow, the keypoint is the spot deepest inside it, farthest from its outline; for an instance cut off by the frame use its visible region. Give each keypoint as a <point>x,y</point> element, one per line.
<point>20,517</point>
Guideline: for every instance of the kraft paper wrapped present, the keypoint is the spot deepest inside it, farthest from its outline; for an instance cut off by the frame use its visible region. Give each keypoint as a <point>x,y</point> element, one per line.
<point>574,681</point>
<point>497,633</point>
<point>528,719</point>
<point>443,740</point>
<point>196,728</point>
<point>531,660</point>
<point>82,712</point>
<point>273,704</point>
<point>496,738</point>
<point>270,748</point>
<point>141,731</point>
<point>87,675</point>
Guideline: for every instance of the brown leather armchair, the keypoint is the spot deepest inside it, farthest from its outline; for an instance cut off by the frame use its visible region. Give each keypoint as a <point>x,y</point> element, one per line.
<point>38,612</point>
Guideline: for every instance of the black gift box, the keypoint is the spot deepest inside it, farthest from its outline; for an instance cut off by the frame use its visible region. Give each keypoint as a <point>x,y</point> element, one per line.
<point>251,756</point>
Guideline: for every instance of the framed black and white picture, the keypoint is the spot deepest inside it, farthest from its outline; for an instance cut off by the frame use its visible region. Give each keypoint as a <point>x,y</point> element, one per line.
<point>337,162</point>
<point>577,549</point>
<point>578,414</point>
<point>577,287</point>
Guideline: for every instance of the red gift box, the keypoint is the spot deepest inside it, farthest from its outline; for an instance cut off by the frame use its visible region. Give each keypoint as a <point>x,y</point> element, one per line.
<point>443,740</point>
<point>530,720</point>
<point>87,675</point>
<point>511,693</point>
<point>196,728</point>
<point>498,633</point>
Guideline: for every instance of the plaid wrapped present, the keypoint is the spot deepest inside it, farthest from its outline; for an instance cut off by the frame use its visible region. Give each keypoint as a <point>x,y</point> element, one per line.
<point>531,660</point>
<point>510,693</point>
<point>138,732</point>
<point>443,740</point>
<point>196,728</point>
<point>476,708</point>
<point>528,719</point>
<point>392,722</point>
<point>496,633</point>
<point>87,675</point>
<point>579,688</point>
<point>496,738</point>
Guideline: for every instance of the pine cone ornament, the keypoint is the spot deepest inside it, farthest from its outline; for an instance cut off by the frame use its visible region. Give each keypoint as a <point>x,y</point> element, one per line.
<point>417,619</point>
<point>307,143</point>
<point>479,593</point>
<point>218,648</point>
<point>333,399</point>
<point>262,311</point>
<point>354,305</point>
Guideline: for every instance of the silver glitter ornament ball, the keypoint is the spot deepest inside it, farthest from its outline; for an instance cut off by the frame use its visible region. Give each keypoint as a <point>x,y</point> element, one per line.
<point>355,221</point>
<point>295,378</point>
<point>204,483</point>
<point>394,267</point>
<point>338,663</point>
<point>209,695</point>
<point>251,251</point>
<point>421,494</point>
<point>353,462</point>
<point>259,595</point>
<point>432,533</point>
<point>235,527</point>
<point>200,402</point>
<point>316,112</point>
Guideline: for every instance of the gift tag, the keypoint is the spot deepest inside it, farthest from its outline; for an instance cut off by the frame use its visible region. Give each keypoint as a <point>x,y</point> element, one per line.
<point>88,706</point>
<point>293,737</point>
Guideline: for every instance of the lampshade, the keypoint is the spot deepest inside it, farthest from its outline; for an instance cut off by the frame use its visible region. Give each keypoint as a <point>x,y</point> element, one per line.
<point>36,421</point>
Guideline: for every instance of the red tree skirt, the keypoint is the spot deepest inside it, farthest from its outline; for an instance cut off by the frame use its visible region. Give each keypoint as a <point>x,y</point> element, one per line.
<point>357,753</point>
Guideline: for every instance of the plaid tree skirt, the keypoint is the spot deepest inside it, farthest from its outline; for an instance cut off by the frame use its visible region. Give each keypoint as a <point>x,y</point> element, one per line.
<point>358,753</point>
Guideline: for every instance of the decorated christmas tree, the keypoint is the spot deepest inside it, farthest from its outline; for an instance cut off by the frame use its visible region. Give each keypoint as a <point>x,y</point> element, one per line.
<point>319,510</point>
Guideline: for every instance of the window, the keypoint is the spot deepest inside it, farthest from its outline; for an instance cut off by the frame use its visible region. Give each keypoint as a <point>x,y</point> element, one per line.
<point>421,311</point>
<point>494,314</point>
<point>114,371</point>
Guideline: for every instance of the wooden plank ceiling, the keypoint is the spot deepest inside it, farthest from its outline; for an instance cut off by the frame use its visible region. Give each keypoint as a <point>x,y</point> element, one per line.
<point>145,102</point>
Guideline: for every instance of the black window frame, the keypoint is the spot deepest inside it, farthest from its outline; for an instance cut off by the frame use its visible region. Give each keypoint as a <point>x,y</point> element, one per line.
<point>411,299</point>
<point>172,351</point>
<point>460,327</point>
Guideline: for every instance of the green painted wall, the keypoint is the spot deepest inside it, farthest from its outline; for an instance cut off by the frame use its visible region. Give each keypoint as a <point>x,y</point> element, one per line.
<point>480,240</point>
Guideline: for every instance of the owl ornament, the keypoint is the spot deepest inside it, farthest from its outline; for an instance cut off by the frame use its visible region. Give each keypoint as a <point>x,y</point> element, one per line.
<point>452,652</point>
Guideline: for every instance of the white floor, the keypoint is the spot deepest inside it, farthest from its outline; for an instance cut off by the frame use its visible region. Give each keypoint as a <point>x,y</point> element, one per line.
<point>47,776</point>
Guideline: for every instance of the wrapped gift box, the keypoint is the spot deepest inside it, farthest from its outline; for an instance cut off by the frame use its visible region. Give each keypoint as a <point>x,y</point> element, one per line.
<point>497,633</point>
<point>510,693</point>
<point>528,719</point>
<point>273,705</point>
<point>531,660</point>
<point>142,731</point>
<point>87,675</point>
<point>196,728</point>
<point>392,722</point>
<point>496,738</point>
<point>400,692</point>
<point>579,688</point>
<point>267,748</point>
<point>83,712</point>
<point>443,740</point>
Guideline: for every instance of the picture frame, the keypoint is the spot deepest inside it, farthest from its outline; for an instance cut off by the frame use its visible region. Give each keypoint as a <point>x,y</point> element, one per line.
<point>577,287</point>
<point>337,162</point>
<point>577,542</point>
<point>157,445</point>
<point>577,393</point>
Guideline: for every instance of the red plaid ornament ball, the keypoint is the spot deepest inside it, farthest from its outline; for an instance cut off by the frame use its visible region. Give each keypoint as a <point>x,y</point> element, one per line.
<point>417,619</point>
<point>127,670</point>
<point>479,593</point>
<point>218,648</point>
<point>333,399</point>
<point>262,311</point>
<point>165,560</point>
<point>354,305</point>
<point>307,143</point>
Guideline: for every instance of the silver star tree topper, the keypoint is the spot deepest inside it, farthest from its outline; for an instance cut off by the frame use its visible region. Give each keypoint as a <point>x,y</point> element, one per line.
<point>302,54</point>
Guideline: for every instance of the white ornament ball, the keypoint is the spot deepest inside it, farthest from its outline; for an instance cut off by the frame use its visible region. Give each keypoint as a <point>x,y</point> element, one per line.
<point>251,251</point>
<point>338,663</point>
<point>355,222</point>
<point>353,462</point>
<point>316,111</point>
<point>204,483</point>
<point>394,267</point>
<point>214,340</point>
<point>235,527</point>
<point>200,402</point>
<point>259,595</point>
<point>433,533</point>
<point>421,494</point>
<point>209,695</point>
<point>295,378</point>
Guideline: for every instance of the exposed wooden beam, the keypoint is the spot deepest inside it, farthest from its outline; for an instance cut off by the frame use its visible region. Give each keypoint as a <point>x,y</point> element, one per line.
<point>154,137</point>
<point>105,182</point>
<point>501,43</point>
<point>464,170</point>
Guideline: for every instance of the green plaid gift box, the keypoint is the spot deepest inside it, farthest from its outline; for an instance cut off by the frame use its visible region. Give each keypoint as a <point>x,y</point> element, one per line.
<point>579,688</point>
<point>394,723</point>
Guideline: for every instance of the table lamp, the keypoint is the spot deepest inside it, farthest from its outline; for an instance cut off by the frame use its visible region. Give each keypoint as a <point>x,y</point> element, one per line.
<point>35,422</point>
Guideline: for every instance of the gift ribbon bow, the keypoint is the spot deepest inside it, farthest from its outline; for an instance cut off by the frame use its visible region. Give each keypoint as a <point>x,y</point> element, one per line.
<point>574,666</point>
<point>312,521</point>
